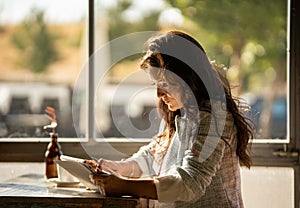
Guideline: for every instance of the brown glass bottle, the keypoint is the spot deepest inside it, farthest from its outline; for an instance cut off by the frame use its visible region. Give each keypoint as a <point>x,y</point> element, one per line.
<point>53,153</point>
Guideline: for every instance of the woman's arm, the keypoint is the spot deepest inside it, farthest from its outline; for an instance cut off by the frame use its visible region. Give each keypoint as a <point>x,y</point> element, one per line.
<point>116,186</point>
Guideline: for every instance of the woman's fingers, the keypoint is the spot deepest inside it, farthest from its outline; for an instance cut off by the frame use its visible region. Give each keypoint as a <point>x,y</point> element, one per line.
<point>92,163</point>
<point>100,179</point>
<point>107,166</point>
<point>95,165</point>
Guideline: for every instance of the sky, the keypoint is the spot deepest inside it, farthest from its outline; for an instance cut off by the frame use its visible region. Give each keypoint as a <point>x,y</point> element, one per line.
<point>14,11</point>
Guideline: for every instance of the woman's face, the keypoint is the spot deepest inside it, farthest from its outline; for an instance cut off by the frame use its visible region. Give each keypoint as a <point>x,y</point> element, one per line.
<point>169,87</point>
<point>170,95</point>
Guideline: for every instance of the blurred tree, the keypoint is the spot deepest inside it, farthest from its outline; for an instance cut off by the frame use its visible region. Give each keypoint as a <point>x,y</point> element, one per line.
<point>239,34</point>
<point>35,42</point>
<point>120,25</point>
<point>250,36</point>
<point>1,26</point>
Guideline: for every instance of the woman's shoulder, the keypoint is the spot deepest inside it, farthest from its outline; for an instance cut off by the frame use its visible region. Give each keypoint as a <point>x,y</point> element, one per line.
<point>213,107</point>
<point>208,111</point>
<point>216,111</point>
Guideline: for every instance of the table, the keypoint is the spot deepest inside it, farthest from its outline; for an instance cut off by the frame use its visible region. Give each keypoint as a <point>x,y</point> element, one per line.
<point>33,190</point>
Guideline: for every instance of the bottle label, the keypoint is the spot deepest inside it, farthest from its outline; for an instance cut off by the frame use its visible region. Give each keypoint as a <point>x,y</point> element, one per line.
<point>51,170</point>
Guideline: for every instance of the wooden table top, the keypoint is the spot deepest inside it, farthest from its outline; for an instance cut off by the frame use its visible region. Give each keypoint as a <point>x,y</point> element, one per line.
<point>33,190</point>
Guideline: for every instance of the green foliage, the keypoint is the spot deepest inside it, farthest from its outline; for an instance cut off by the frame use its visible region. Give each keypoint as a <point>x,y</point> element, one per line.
<point>35,42</point>
<point>119,25</point>
<point>236,24</point>
<point>77,39</point>
<point>249,35</point>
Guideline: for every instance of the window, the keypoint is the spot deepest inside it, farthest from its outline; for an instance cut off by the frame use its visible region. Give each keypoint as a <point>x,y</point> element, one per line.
<point>34,76</point>
<point>257,59</point>
<point>96,103</point>
<point>43,49</point>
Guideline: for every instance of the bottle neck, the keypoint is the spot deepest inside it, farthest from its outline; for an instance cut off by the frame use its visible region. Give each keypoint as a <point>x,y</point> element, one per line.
<point>53,137</point>
<point>54,148</point>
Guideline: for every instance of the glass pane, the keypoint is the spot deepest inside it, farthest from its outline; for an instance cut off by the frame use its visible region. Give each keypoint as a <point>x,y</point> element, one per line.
<point>251,42</point>
<point>43,49</point>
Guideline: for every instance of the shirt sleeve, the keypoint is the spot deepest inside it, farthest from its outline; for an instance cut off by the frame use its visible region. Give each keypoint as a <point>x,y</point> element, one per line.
<point>172,187</point>
<point>144,157</point>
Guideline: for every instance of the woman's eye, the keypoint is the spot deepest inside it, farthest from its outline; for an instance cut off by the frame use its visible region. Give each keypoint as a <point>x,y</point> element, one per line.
<point>164,85</point>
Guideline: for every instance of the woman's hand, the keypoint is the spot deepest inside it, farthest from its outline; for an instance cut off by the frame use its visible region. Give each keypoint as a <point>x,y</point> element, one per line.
<point>94,165</point>
<point>109,184</point>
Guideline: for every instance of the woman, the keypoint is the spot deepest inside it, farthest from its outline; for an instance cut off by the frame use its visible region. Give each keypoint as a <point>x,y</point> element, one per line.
<point>194,160</point>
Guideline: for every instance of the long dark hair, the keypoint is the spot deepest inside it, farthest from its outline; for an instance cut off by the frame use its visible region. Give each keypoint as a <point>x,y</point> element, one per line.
<point>181,54</point>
